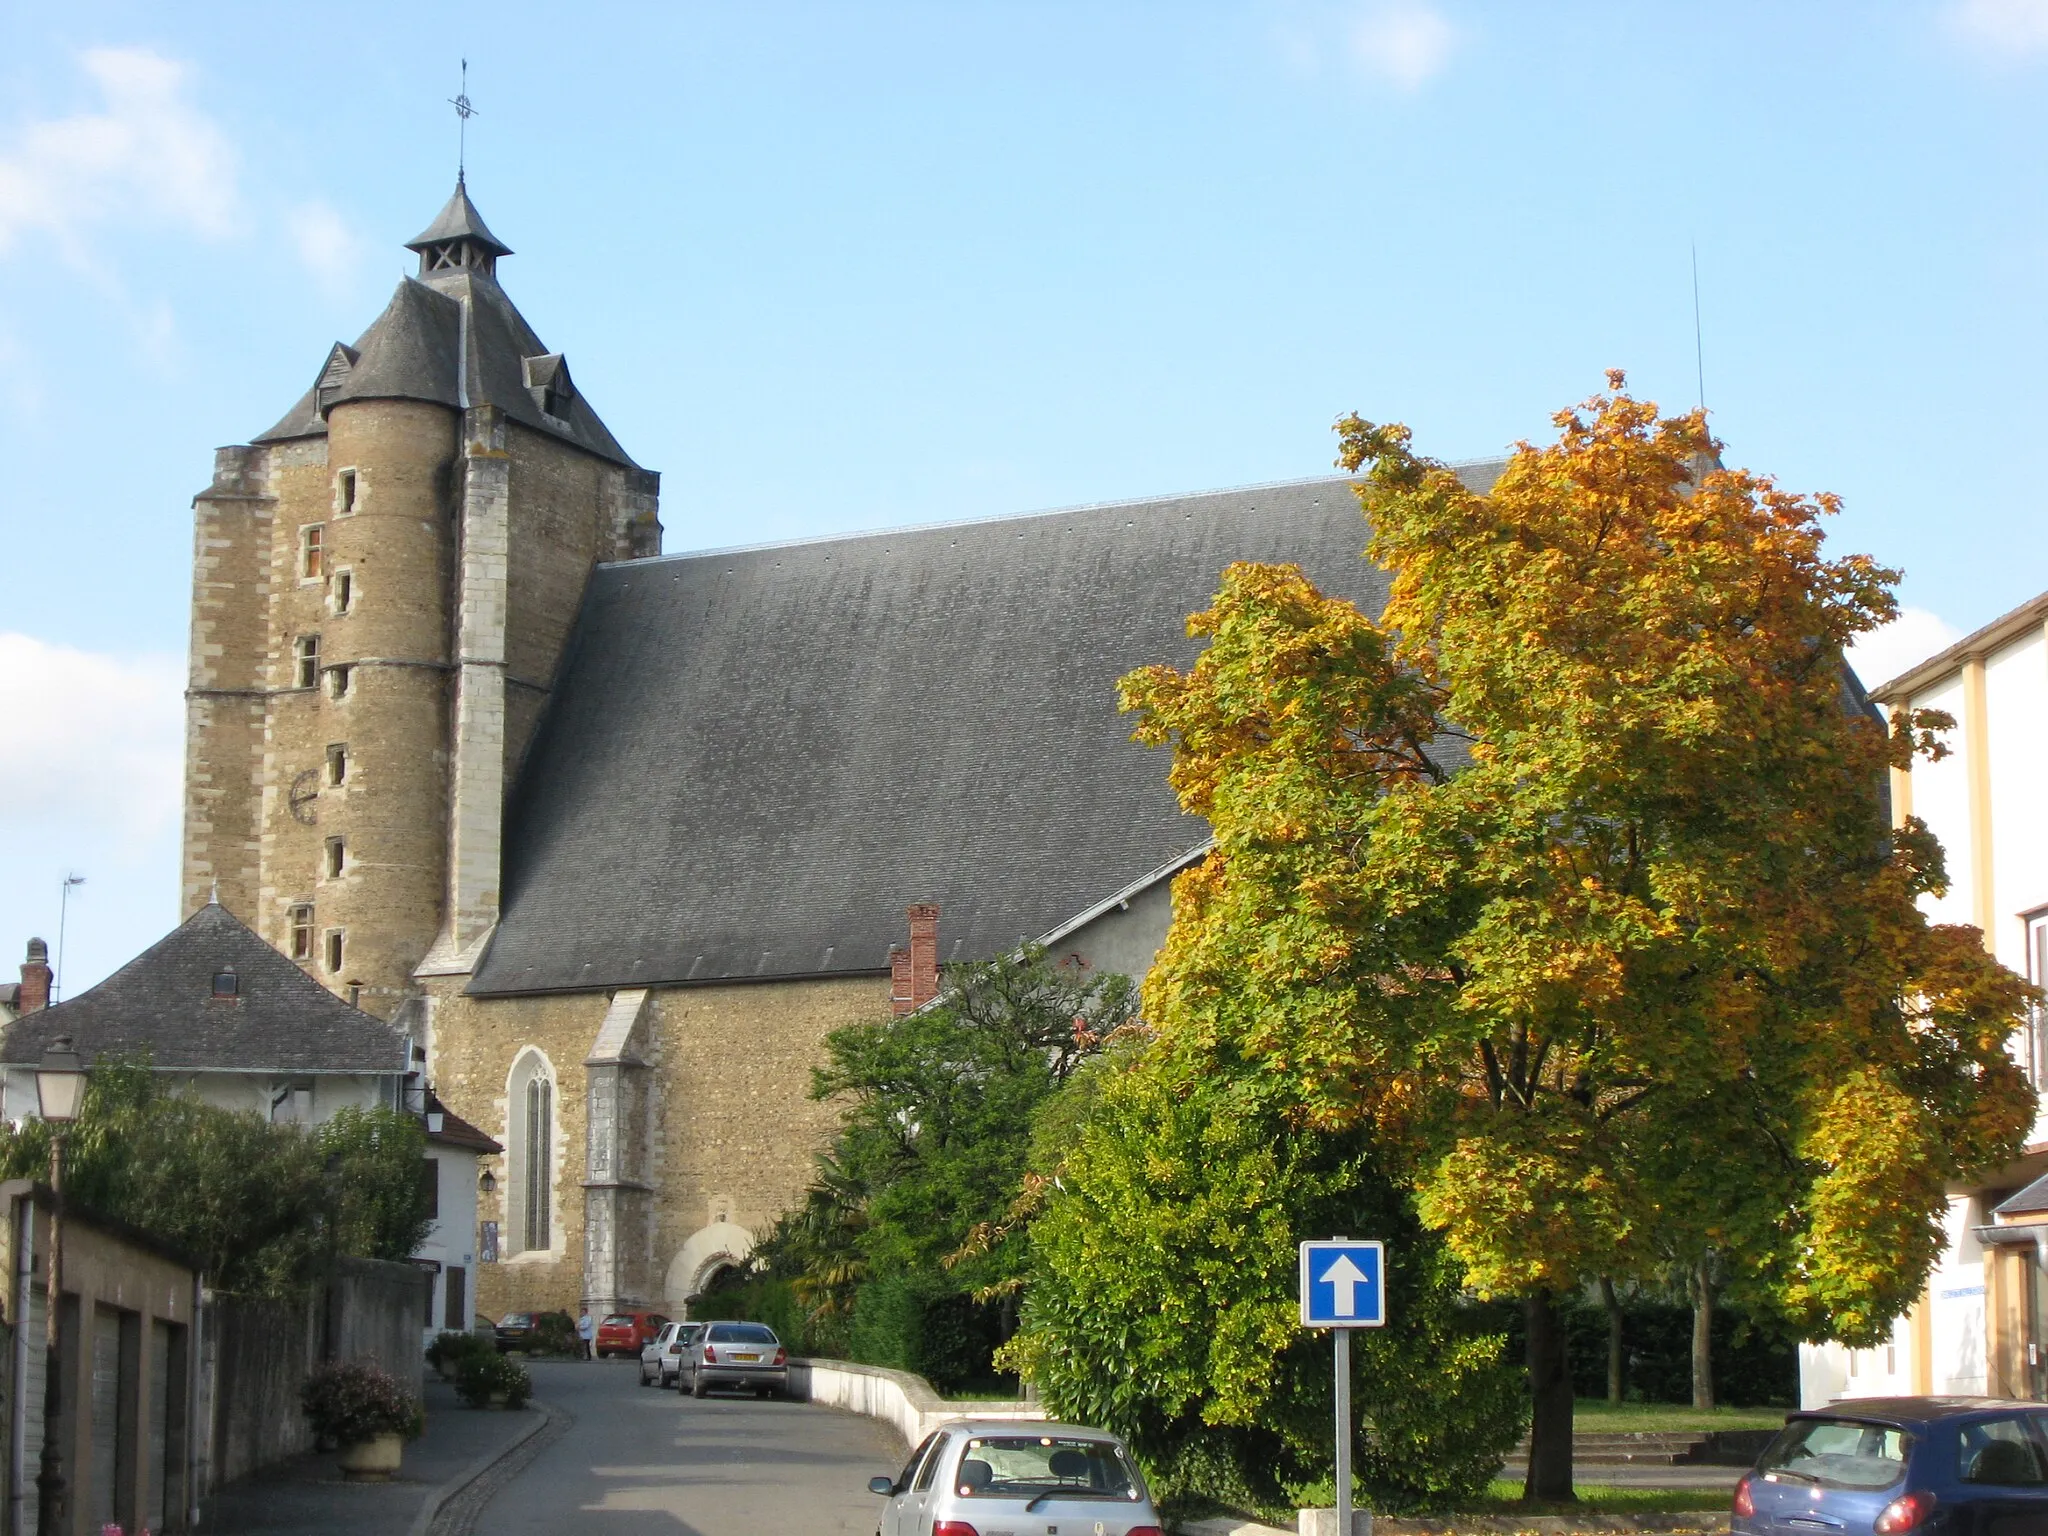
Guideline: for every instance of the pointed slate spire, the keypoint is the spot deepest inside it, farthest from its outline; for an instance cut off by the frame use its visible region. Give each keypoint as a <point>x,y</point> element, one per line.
<point>458,240</point>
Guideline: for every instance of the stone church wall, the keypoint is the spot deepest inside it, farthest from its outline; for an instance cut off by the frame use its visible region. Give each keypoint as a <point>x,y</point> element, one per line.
<point>727,1133</point>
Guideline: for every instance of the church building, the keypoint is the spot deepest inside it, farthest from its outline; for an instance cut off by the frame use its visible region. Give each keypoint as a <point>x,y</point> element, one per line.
<point>618,836</point>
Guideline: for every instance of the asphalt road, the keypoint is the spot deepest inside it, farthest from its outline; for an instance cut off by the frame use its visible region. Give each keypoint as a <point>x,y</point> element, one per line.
<point>638,1461</point>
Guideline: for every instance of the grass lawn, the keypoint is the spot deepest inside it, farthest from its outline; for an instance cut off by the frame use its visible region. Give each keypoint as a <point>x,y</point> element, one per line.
<point>1594,1413</point>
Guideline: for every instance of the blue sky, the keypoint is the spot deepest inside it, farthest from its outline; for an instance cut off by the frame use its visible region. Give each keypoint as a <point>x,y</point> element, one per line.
<point>839,266</point>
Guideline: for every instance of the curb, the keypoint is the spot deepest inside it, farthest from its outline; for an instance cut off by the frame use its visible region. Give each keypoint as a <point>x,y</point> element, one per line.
<point>441,1496</point>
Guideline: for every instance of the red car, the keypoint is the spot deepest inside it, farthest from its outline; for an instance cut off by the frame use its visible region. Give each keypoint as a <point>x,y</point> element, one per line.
<point>627,1333</point>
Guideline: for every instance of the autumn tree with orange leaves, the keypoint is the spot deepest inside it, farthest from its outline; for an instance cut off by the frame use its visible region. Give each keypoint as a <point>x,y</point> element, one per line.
<point>1571,876</point>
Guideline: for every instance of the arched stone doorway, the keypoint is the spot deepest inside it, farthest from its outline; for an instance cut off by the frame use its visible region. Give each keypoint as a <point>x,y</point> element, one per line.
<point>722,1245</point>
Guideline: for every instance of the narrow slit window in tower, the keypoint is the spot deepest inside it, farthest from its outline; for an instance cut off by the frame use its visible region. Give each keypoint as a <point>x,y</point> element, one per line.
<point>306,660</point>
<point>345,492</point>
<point>312,558</point>
<point>337,763</point>
<point>342,589</point>
<point>337,857</point>
<point>334,947</point>
<point>339,680</point>
<point>300,921</point>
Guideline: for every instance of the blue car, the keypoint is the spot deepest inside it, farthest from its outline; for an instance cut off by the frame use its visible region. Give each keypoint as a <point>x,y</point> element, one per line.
<point>1885,1466</point>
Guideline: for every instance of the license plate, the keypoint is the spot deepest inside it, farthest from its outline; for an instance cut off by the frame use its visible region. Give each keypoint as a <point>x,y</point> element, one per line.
<point>746,1359</point>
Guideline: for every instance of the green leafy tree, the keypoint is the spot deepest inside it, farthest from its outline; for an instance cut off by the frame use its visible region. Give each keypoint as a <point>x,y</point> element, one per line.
<point>374,1160</point>
<point>1646,977</point>
<point>933,1149</point>
<point>262,1207</point>
<point>1162,1298</point>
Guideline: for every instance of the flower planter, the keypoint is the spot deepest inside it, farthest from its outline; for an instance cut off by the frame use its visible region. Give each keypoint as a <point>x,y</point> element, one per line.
<point>375,1460</point>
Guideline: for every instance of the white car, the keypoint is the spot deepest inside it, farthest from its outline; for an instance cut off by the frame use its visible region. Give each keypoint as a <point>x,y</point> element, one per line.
<point>662,1361</point>
<point>1010,1474</point>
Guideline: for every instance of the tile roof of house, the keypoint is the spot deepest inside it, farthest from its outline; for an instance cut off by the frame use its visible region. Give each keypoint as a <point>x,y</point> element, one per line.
<point>456,1131</point>
<point>420,349</point>
<point>162,1004</point>
<point>755,758</point>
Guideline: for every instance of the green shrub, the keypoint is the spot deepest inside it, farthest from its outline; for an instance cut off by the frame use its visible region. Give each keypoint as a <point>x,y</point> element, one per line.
<point>482,1375</point>
<point>450,1349</point>
<point>1162,1303</point>
<point>350,1401</point>
<point>555,1334</point>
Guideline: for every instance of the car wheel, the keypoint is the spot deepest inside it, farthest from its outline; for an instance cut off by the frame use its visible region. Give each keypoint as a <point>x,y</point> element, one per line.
<point>698,1386</point>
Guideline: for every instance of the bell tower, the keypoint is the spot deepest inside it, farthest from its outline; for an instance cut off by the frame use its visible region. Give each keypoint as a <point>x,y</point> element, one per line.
<point>382,586</point>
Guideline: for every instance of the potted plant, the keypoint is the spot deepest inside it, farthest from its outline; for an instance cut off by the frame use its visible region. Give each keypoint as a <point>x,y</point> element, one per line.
<point>493,1381</point>
<point>360,1407</point>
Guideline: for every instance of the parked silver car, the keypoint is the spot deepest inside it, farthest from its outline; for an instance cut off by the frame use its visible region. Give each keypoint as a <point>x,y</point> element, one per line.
<point>981,1475</point>
<point>744,1355</point>
<point>666,1356</point>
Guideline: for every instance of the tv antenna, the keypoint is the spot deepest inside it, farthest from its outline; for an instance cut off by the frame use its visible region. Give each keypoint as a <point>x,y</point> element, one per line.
<point>1699,358</point>
<point>463,113</point>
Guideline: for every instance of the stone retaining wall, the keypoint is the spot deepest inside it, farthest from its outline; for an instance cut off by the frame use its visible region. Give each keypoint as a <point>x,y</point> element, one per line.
<point>896,1397</point>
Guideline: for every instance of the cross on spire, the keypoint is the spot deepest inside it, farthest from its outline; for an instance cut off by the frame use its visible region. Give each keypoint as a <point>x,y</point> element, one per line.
<point>463,113</point>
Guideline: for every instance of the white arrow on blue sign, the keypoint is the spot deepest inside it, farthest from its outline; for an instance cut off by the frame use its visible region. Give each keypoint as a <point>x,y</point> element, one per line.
<point>1342,1283</point>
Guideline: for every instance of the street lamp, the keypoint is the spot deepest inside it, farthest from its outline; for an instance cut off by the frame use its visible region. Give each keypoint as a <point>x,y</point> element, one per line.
<point>60,1080</point>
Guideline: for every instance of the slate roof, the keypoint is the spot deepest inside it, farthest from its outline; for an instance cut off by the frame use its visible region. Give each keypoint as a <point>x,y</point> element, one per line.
<point>755,758</point>
<point>458,220</point>
<point>418,350</point>
<point>162,1003</point>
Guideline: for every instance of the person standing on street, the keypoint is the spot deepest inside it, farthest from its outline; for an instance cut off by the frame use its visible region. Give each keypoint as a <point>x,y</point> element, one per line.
<point>586,1330</point>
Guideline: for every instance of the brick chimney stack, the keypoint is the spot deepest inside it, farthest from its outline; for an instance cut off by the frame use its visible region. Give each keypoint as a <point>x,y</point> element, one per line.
<point>914,972</point>
<point>35,979</point>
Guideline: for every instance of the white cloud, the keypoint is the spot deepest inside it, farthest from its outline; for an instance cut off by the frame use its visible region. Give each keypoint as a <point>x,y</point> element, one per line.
<point>2008,26</point>
<point>147,150</point>
<point>90,776</point>
<point>1405,43</point>
<point>1402,43</point>
<point>1915,635</point>
<point>94,743</point>
<point>327,246</point>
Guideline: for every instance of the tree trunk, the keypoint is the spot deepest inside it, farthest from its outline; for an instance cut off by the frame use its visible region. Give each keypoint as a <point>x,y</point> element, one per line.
<point>1703,1334</point>
<point>1612,1303</point>
<point>1550,1394</point>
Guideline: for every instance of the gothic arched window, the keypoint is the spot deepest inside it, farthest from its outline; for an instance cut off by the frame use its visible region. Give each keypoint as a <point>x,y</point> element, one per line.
<point>530,1111</point>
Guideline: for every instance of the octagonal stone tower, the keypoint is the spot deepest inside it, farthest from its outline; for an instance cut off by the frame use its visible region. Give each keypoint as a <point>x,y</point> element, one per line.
<point>382,586</point>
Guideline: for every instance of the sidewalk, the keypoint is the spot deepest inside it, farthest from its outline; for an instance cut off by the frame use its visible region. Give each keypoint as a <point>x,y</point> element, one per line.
<point>308,1495</point>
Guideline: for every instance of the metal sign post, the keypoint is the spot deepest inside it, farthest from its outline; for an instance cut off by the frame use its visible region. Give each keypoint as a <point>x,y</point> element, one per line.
<point>1342,1288</point>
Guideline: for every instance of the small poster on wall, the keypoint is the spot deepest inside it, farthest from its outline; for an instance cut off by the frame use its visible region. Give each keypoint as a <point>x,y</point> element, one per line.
<point>487,1244</point>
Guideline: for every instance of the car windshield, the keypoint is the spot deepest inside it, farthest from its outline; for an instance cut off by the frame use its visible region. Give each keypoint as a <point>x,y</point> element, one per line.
<point>1040,1466</point>
<point>517,1320</point>
<point>740,1333</point>
<point>1838,1453</point>
<point>618,1320</point>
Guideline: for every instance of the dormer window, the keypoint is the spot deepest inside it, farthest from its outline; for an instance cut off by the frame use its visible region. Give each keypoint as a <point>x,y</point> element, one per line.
<point>226,984</point>
<point>333,375</point>
<point>547,381</point>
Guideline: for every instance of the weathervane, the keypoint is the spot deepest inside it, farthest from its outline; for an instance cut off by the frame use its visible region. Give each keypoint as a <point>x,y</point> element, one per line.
<point>463,112</point>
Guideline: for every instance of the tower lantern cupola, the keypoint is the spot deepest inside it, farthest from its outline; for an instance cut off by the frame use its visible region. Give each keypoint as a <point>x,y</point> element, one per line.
<point>458,240</point>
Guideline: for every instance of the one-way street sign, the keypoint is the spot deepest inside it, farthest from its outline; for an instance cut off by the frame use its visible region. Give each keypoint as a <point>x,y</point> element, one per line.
<point>1341,1283</point>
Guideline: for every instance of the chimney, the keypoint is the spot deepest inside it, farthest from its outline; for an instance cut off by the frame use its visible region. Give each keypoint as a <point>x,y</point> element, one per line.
<point>899,980</point>
<point>35,979</point>
<point>924,953</point>
<point>914,972</point>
